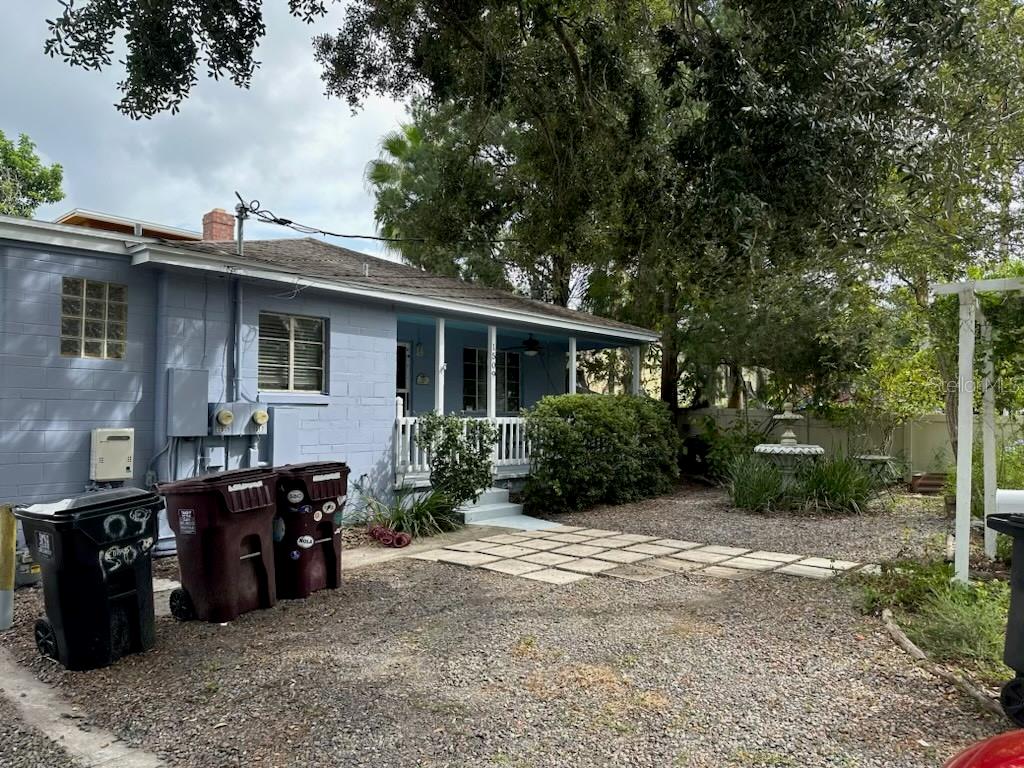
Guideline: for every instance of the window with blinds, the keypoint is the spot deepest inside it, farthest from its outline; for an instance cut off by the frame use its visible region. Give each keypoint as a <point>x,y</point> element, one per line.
<point>474,381</point>
<point>291,356</point>
<point>93,319</point>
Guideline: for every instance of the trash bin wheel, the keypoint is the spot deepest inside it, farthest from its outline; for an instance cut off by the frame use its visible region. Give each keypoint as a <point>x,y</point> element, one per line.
<point>182,607</point>
<point>46,638</point>
<point>1012,699</point>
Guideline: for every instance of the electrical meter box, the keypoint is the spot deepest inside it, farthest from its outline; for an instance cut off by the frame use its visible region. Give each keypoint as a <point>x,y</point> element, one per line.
<point>112,456</point>
<point>232,419</point>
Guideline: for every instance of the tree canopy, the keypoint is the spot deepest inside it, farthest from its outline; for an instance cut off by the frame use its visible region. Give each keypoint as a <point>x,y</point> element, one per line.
<point>25,182</point>
<point>754,178</point>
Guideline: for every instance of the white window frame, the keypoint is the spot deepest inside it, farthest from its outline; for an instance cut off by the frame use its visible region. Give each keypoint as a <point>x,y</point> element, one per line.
<point>499,395</point>
<point>291,353</point>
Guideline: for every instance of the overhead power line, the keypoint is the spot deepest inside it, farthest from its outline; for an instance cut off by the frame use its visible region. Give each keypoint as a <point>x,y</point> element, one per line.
<point>265,215</point>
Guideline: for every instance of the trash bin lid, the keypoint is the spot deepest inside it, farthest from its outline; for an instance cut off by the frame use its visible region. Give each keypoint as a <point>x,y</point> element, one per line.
<point>203,483</point>
<point>1007,522</point>
<point>1003,751</point>
<point>104,501</point>
<point>312,466</point>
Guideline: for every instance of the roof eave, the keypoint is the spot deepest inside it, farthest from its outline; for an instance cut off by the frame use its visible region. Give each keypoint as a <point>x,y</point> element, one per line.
<point>160,254</point>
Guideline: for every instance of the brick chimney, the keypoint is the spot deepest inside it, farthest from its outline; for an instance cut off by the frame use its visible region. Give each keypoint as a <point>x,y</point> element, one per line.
<point>218,224</point>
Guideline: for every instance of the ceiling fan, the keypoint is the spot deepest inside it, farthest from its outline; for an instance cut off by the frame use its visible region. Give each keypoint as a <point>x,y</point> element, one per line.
<point>530,347</point>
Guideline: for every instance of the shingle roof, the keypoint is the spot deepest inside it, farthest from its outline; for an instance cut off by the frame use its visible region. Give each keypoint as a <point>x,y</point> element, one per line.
<point>309,257</point>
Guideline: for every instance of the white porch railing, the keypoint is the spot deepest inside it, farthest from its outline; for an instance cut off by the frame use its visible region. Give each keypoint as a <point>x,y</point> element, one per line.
<point>511,451</point>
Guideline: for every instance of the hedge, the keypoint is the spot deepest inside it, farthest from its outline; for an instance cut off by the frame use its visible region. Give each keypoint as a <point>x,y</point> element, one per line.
<point>593,449</point>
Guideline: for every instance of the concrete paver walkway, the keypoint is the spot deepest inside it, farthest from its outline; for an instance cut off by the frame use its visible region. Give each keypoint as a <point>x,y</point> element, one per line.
<point>566,554</point>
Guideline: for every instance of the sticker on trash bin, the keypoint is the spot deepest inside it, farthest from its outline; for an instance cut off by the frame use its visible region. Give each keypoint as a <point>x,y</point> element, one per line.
<point>305,509</point>
<point>304,542</point>
<point>341,499</point>
<point>294,497</point>
<point>295,554</point>
<point>318,516</point>
<point>44,543</point>
<point>244,486</point>
<point>186,521</point>
<point>278,529</point>
<point>329,507</point>
<point>328,476</point>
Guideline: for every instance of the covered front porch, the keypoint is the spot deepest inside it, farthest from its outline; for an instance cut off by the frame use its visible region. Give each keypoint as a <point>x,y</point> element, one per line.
<point>485,371</point>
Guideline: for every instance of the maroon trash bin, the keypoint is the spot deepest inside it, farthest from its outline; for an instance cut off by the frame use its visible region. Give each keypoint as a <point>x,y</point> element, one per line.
<point>307,529</point>
<point>222,525</point>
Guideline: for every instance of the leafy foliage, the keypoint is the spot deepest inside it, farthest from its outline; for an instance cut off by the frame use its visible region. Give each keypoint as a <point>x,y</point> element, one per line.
<point>415,512</point>
<point>949,621</point>
<point>837,484</point>
<point>592,449</point>
<point>727,444</point>
<point>25,183</point>
<point>167,41</point>
<point>459,452</point>
<point>754,483</point>
<point>1009,471</point>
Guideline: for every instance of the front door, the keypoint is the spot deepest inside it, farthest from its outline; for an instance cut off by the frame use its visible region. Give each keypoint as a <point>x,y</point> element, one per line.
<point>402,370</point>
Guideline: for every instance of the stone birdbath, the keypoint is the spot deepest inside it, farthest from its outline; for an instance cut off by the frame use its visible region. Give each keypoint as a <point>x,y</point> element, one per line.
<point>788,454</point>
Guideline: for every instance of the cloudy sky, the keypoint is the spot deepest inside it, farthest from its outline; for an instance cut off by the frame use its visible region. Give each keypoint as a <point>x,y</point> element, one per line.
<point>283,142</point>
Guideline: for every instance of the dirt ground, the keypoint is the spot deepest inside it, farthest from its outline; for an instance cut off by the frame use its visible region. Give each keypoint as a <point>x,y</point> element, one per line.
<point>414,663</point>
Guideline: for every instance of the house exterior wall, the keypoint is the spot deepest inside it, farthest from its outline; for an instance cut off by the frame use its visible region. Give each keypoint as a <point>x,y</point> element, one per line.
<point>352,422</point>
<point>541,375</point>
<point>48,403</point>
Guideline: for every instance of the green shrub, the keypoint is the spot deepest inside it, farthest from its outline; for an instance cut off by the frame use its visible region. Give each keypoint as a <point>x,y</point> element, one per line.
<point>904,585</point>
<point>837,484</point>
<point>1004,548</point>
<point>417,513</point>
<point>459,452</point>
<point>592,449</point>
<point>965,624</point>
<point>754,483</point>
<point>949,621</point>
<point>725,445</point>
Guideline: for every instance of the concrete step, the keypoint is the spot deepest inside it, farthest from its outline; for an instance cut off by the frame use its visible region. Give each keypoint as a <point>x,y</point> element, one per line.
<point>493,496</point>
<point>482,512</point>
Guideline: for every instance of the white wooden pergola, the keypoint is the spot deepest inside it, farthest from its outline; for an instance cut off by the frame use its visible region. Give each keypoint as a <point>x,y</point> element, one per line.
<point>972,319</point>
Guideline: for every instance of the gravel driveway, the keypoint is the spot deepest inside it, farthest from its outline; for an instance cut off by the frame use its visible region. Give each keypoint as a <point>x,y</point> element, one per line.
<point>22,746</point>
<point>429,664</point>
<point>698,513</point>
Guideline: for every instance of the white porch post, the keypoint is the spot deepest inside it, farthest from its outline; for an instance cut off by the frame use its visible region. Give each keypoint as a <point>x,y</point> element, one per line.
<point>572,365</point>
<point>635,386</point>
<point>965,435</point>
<point>492,371</point>
<point>988,430</point>
<point>439,365</point>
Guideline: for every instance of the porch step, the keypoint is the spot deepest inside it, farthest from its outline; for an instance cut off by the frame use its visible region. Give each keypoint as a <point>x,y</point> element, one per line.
<point>479,513</point>
<point>493,496</point>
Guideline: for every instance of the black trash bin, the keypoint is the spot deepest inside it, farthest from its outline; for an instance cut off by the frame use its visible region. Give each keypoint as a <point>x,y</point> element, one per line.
<point>1012,694</point>
<point>94,554</point>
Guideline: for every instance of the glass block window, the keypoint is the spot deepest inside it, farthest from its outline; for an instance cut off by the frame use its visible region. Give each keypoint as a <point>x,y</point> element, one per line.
<point>291,355</point>
<point>93,319</point>
<point>474,381</point>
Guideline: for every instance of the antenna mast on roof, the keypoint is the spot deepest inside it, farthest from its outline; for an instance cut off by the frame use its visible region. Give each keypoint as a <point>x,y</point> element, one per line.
<point>241,214</point>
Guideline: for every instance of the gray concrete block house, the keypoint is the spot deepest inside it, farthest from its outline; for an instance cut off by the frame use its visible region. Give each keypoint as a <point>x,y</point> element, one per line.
<point>114,329</point>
